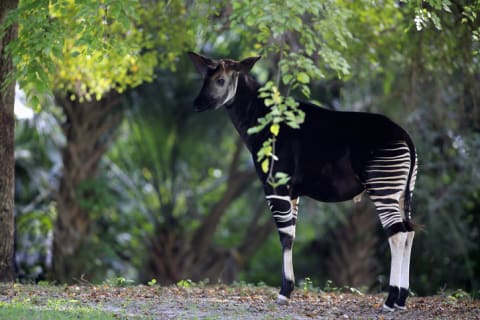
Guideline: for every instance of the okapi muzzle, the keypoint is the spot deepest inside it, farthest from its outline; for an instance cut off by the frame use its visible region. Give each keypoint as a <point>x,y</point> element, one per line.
<point>220,80</point>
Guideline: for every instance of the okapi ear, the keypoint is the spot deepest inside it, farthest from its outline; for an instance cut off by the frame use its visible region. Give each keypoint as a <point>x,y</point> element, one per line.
<point>247,64</point>
<point>202,64</point>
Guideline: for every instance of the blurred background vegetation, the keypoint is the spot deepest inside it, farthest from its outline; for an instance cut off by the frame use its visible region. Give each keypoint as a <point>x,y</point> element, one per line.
<point>120,178</point>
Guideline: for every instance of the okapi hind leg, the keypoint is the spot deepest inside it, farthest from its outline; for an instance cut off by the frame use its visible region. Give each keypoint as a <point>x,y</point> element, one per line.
<point>284,211</point>
<point>405,279</point>
<point>387,175</point>
<point>397,244</point>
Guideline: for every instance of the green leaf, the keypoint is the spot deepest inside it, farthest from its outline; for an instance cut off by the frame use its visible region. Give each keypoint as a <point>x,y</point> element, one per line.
<point>274,129</point>
<point>152,282</point>
<point>267,150</point>
<point>306,91</point>
<point>287,78</point>
<point>268,102</point>
<point>35,102</point>
<point>264,94</point>
<point>303,77</point>
<point>282,178</point>
<point>293,124</point>
<point>264,165</point>
<point>253,130</point>
<point>291,102</point>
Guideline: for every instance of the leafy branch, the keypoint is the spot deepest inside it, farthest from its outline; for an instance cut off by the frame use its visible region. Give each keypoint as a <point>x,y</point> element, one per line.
<point>89,48</point>
<point>282,110</point>
<point>302,36</point>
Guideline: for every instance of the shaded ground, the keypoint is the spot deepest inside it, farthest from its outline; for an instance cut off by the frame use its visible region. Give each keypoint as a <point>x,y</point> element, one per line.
<point>218,302</point>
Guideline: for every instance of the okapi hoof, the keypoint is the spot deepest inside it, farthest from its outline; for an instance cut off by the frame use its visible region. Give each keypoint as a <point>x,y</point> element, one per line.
<point>282,300</point>
<point>393,294</point>
<point>387,308</point>
<point>402,297</point>
<point>400,307</point>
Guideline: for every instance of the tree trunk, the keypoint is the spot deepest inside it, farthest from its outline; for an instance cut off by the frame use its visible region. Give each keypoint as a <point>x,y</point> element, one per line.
<point>174,255</point>
<point>88,129</point>
<point>224,264</point>
<point>352,260</point>
<point>7,149</point>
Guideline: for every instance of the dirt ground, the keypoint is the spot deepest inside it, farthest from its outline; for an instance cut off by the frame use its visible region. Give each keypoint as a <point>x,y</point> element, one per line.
<point>234,302</point>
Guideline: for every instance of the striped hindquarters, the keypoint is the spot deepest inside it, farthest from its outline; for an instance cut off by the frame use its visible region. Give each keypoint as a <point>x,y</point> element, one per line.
<point>389,182</point>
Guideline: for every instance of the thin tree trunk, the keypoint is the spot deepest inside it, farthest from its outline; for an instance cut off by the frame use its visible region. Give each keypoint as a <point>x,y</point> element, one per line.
<point>167,265</point>
<point>174,255</point>
<point>88,130</point>
<point>352,260</point>
<point>224,265</point>
<point>7,149</point>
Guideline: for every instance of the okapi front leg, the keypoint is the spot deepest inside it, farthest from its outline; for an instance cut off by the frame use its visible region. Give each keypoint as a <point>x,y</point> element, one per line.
<point>284,212</point>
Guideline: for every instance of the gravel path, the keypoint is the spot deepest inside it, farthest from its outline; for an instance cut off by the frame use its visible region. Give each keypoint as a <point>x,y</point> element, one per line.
<point>237,302</point>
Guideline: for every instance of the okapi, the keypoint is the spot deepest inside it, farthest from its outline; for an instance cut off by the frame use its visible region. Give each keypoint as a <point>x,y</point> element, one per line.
<point>333,156</point>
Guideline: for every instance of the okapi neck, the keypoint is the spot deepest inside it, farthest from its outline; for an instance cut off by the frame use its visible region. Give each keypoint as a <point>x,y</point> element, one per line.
<point>246,108</point>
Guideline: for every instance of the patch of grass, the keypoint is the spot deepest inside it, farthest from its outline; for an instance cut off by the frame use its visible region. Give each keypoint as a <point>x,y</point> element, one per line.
<point>460,295</point>
<point>189,284</point>
<point>119,282</point>
<point>330,288</point>
<point>186,284</point>
<point>23,310</point>
<point>242,284</point>
<point>307,284</point>
<point>453,296</point>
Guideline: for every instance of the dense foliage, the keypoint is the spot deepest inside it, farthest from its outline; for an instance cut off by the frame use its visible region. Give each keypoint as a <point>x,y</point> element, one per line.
<point>91,47</point>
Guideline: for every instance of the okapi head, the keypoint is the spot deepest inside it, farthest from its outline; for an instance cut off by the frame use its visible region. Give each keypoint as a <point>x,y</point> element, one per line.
<point>220,80</point>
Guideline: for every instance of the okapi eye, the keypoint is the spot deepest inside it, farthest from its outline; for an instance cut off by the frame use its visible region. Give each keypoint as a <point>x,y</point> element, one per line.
<point>220,82</point>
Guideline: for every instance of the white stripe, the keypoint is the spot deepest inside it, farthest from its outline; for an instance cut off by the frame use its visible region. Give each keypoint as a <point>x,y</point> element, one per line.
<point>274,196</point>
<point>390,187</point>
<point>390,159</point>
<point>399,179</point>
<point>387,197</point>
<point>288,265</point>
<point>282,218</point>
<point>233,91</point>
<point>290,230</point>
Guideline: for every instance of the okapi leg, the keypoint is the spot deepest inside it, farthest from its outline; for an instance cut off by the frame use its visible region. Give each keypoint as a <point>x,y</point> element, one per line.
<point>397,244</point>
<point>386,180</point>
<point>404,281</point>
<point>284,212</point>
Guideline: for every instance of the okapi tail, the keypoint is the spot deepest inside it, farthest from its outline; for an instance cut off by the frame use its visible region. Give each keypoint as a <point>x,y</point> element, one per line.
<point>412,175</point>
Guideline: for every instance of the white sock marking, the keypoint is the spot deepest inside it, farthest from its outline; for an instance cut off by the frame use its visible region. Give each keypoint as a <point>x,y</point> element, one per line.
<point>397,248</point>
<point>404,281</point>
<point>288,265</point>
<point>282,299</point>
